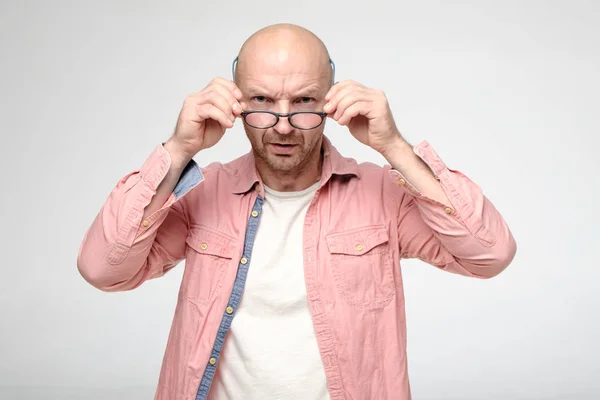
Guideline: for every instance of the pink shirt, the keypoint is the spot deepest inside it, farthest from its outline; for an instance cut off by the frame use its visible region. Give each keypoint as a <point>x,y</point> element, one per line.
<point>362,221</point>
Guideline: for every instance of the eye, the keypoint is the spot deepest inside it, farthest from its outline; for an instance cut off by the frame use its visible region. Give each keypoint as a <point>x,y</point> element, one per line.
<point>259,99</point>
<point>305,100</point>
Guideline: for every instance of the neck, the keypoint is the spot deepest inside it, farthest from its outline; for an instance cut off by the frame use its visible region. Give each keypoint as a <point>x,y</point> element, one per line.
<point>300,178</point>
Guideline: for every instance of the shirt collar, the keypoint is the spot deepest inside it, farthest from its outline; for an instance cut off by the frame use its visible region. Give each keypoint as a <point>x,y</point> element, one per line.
<point>333,164</point>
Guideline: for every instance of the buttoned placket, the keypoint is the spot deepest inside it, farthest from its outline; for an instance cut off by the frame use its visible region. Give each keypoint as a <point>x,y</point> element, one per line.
<point>234,300</point>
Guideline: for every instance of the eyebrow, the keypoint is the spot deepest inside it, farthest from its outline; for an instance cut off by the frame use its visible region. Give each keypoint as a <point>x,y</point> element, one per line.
<point>309,91</point>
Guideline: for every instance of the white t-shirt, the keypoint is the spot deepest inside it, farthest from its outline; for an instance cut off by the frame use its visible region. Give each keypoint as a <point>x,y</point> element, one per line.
<point>271,350</point>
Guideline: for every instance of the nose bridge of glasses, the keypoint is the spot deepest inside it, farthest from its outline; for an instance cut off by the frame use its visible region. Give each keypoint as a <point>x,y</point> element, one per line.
<point>283,124</point>
<point>291,119</point>
<point>282,120</point>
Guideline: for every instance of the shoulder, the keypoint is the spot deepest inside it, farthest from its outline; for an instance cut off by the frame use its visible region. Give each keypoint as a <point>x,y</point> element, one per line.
<point>367,172</point>
<point>372,170</point>
<point>227,169</point>
<point>372,178</point>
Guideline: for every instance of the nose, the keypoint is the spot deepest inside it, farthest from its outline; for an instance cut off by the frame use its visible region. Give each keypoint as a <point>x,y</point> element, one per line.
<point>283,126</point>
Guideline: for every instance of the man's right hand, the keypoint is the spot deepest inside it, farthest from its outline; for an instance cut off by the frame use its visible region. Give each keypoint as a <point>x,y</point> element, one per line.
<point>203,119</point>
<point>202,122</point>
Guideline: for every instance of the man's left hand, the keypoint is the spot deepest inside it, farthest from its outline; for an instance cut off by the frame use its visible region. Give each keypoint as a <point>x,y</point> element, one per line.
<point>365,112</point>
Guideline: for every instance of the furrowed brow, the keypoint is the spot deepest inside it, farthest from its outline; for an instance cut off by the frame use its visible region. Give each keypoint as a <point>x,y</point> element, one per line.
<point>256,91</point>
<point>311,91</point>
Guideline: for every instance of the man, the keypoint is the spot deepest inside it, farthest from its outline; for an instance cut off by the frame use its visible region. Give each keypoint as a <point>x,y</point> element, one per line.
<point>292,286</point>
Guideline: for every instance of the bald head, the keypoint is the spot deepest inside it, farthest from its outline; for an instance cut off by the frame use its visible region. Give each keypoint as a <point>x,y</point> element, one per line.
<point>281,49</point>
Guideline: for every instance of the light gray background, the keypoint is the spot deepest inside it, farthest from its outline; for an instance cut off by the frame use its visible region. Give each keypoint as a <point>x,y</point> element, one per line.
<point>506,91</point>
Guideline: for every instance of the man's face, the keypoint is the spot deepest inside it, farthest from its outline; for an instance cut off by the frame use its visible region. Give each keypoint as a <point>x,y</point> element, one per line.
<point>284,83</point>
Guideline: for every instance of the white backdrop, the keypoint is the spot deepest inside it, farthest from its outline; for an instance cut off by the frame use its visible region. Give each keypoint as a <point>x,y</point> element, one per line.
<point>506,91</point>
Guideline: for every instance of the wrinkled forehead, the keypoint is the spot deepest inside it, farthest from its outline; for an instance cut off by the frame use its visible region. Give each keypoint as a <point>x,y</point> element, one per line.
<point>284,66</point>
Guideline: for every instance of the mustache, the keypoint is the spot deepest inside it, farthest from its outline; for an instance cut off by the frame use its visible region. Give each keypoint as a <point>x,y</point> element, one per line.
<point>282,139</point>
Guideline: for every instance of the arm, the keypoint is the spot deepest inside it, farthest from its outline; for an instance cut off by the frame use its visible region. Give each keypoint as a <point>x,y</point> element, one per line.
<point>140,231</point>
<point>444,219</point>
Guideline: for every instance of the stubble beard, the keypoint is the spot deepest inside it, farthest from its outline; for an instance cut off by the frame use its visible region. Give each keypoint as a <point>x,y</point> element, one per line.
<point>285,164</point>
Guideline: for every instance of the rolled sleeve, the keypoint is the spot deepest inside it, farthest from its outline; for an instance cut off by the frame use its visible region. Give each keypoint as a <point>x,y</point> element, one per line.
<point>474,238</point>
<point>120,250</point>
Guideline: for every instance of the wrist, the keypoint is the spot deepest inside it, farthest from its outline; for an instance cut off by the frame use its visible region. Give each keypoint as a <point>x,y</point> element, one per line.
<point>179,158</point>
<point>398,147</point>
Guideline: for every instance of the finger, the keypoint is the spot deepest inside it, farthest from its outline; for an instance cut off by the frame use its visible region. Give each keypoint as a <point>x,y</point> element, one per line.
<point>230,85</point>
<point>333,103</point>
<point>216,99</point>
<point>339,86</point>
<point>336,88</point>
<point>358,108</point>
<point>209,111</point>
<point>226,93</point>
<point>345,99</point>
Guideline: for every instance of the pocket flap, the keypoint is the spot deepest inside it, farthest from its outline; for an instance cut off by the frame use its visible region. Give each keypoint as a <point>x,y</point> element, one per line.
<point>357,241</point>
<point>207,241</point>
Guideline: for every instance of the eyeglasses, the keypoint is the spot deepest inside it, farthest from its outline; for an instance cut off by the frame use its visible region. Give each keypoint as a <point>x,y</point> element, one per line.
<point>304,120</point>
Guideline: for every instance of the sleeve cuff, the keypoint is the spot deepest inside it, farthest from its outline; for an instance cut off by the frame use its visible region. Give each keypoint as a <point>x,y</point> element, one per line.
<point>433,161</point>
<point>191,176</point>
<point>157,166</point>
<point>466,198</point>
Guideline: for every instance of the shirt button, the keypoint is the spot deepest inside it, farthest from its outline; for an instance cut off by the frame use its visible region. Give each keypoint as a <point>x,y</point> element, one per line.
<point>244,260</point>
<point>145,223</point>
<point>448,210</point>
<point>255,213</point>
<point>401,182</point>
<point>204,246</point>
<point>212,361</point>
<point>229,310</point>
<point>359,247</point>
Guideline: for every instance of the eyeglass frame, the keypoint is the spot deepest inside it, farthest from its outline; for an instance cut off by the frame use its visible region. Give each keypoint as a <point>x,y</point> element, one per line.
<point>289,116</point>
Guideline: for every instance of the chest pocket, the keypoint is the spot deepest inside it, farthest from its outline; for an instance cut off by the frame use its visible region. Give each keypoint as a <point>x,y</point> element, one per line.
<point>208,258</point>
<point>362,266</point>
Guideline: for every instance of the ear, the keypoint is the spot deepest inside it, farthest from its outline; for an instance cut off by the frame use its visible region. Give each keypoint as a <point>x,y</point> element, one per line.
<point>332,71</point>
<point>233,68</point>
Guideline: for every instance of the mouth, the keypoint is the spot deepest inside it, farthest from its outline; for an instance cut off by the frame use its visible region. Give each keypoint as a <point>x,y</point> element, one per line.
<point>283,148</point>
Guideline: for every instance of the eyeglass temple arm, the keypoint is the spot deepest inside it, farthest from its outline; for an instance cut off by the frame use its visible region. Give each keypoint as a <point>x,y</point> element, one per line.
<point>330,62</point>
